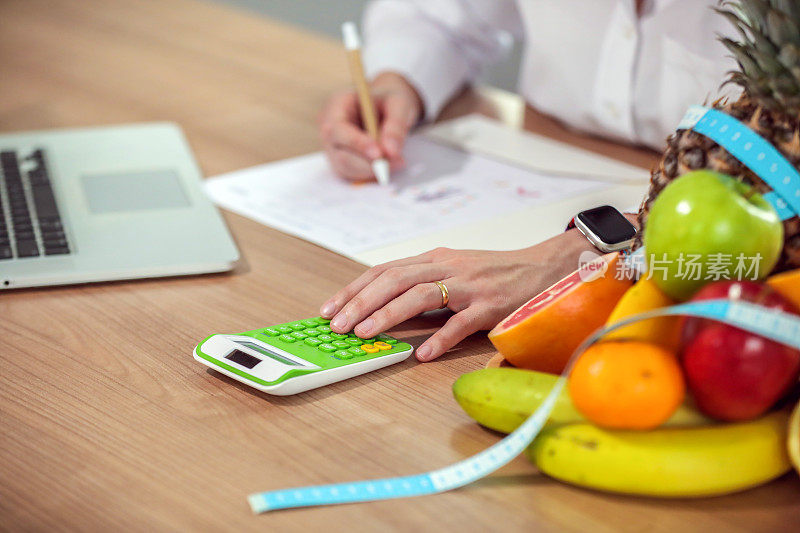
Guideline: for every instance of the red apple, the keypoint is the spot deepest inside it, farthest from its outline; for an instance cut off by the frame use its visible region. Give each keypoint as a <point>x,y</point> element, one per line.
<point>744,291</point>
<point>735,374</point>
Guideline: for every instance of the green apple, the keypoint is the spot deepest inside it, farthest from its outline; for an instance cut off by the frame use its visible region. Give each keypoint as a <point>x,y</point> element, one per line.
<point>706,226</point>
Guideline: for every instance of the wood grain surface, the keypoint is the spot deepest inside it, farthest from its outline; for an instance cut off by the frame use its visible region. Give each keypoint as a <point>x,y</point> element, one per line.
<point>106,422</point>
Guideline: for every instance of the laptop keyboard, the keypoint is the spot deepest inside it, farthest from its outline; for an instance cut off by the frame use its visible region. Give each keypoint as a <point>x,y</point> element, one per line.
<point>30,224</point>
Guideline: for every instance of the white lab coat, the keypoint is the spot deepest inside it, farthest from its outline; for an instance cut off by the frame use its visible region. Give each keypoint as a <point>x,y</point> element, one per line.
<point>595,64</point>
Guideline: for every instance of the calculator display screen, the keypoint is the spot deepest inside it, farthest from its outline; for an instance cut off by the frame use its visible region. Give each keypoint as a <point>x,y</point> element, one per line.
<point>244,359</point>
<point>264,351</point>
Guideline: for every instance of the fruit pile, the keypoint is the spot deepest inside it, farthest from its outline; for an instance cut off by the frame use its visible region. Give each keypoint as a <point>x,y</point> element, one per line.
<point>666,406</point>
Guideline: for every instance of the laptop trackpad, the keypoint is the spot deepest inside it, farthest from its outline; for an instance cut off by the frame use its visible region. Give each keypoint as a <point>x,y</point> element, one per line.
<point>135,191</point>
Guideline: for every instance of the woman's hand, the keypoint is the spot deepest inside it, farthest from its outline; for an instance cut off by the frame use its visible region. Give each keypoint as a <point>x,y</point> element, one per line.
<point>484,287</point>
<point>349,148</point>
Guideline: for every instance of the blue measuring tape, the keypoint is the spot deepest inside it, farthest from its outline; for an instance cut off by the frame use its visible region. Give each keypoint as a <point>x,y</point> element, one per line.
<point>753,151</point>
<point>781,327</point>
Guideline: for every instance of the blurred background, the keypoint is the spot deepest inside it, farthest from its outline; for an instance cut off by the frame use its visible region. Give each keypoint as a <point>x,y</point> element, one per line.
<point>327,17</point>
<point>235,74</point>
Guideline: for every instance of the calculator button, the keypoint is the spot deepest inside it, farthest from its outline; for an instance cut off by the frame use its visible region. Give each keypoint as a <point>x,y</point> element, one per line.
<point>271,332</point>
<point>311,332</point>
<point>326,347</point>
<point>341,344</point>
<point>284,329</point>
<point>386,338</point>
<point>355,350</point>
<point>309,323</point>
<point>297,326</point>
<point>368,341</point>
<point>355,342</point>
<point>382,345</point>
<point>311,341</point>
<point>370,348</point>
<point>325,338</point>
<point>322,321</point>
<point>323,329</point>
<point>287,338</point>
<point>299,335</point>
<point>343,354</point>
<point>339,335</point>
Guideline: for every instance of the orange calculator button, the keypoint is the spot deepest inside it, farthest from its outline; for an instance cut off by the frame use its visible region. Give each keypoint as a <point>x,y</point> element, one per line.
<point>369,348</point>
<point>382,345</point>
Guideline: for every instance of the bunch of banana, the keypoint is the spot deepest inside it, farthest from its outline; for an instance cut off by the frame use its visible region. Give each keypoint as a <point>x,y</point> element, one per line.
<point>688,456</point>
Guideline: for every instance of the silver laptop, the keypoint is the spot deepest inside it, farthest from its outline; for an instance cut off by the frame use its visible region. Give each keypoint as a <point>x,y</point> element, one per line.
<point>107,203</point>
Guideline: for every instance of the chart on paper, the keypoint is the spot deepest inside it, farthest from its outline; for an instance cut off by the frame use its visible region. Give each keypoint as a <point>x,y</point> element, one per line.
<point>441,188</point>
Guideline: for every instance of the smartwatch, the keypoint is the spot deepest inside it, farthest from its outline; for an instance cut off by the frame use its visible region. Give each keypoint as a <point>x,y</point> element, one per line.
<point>606,228</point>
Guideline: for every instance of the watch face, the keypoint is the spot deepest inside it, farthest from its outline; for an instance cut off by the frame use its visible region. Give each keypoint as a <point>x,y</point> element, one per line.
<point>608,224</point>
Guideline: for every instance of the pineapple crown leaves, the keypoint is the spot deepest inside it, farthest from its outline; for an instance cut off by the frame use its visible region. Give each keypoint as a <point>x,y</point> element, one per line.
<point>768,51</point>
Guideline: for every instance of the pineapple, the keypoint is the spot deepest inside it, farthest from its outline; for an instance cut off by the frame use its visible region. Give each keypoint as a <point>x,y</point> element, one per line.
<point>768,53</point>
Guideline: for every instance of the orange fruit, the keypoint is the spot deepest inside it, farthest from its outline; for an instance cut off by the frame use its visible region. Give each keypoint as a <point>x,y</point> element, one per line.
<point>627,385</point>
<point>542,334</point>
<point>788,284</point>
<point>642,297</point>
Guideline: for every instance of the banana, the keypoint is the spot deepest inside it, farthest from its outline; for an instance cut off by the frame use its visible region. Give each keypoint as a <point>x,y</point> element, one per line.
<point>666,462</point>
<point>502,398</point>
<point>793,440</point>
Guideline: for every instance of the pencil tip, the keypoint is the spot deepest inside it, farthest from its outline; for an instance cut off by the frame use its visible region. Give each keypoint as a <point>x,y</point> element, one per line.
<point>381,169</point>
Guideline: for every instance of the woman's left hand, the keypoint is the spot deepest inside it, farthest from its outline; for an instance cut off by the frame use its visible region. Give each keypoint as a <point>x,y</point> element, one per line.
<point>484,287</point>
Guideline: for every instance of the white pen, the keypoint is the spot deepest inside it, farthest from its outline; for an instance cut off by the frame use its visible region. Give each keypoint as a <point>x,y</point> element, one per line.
<point>352,43</point>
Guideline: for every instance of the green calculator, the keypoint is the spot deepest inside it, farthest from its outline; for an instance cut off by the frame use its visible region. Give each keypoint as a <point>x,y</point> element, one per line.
<point>297,356</point>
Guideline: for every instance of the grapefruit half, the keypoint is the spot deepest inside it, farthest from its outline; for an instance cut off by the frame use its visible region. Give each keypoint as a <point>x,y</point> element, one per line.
<point>542,334</point>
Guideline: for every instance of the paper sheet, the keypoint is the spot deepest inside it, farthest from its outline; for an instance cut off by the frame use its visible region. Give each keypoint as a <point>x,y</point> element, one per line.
<point>442,188</point>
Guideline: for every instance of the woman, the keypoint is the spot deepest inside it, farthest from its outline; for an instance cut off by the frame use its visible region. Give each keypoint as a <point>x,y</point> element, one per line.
<point>624,69</point>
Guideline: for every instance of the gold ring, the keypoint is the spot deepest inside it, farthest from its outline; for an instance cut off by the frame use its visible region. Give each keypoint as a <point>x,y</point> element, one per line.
<point>445,294</point>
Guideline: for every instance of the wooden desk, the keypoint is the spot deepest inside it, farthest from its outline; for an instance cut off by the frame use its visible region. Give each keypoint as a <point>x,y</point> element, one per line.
<point>107,423</point>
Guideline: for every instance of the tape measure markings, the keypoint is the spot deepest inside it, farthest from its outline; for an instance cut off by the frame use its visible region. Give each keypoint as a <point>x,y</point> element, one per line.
<point>783,210</point>
<point>781,327</point>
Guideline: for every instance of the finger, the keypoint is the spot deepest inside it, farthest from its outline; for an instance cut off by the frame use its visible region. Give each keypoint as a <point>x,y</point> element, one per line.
<point>398,118</point>
<point>347,135</point>
<point>397,163</point>
<point>348,164</point>
<point>387,286</point>
<point>417,299</point>
<point>454,331</point>
<point>337,301</point>
<point>342,107</point>
<point>339,109</point>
